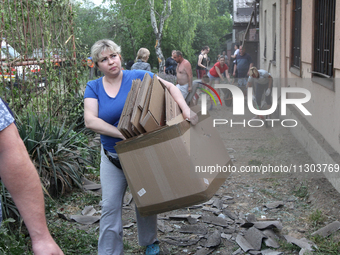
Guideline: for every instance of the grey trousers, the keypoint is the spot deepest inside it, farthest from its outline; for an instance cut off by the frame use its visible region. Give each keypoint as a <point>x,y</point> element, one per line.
<point>114,185</point>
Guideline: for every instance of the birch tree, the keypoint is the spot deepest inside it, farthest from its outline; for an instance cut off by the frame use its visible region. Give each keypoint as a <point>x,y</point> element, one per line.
<point>158,25</point>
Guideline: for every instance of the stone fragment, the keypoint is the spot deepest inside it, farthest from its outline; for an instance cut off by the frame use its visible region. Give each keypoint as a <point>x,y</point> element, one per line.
<point>254,238</point>
<point>218,204</point>
<point>181,241</point>
<point>328,230</point>
<point>204,251</point>
<point>215,221</point>
<point>128,225</point>
<point>83,219</point>
<point>127,199</point>
<point>275,204</point>
<point>88,210</point>
<point>302,243</point>
<point>251,218</point>
<point>243,243</point>
<point>163,227</point>
<point>226,236</point>
<point>214,239</point>
<point>270,252</point>
<point>267,224</point>
<point>213,210</point>
<point>271,239</point>
<point>238,251</point>
<point>230,214</point>
<point>198,229</point>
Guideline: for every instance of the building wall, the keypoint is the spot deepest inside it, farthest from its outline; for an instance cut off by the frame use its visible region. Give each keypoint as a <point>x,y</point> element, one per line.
<point>325,103</point>
<point>269,28</point>
<point>319,133</point>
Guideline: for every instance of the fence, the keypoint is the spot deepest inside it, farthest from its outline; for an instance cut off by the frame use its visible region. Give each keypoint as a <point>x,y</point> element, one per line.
<point>40,66</point>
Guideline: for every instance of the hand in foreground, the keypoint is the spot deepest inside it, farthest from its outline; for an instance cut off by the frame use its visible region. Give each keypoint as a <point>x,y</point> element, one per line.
<point>46,246</point>
<point>191,116</point>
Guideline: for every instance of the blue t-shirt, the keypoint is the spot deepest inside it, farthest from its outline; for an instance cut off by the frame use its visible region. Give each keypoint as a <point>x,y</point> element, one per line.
<point>243,63</point>
<point>109,108</point>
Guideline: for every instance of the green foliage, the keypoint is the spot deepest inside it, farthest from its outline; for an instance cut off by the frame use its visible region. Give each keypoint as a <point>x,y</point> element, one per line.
<point>301,191</point>
<point>326,245</point>
<point>14,244</point>
<point>59,153</point>
<point>316,218</point>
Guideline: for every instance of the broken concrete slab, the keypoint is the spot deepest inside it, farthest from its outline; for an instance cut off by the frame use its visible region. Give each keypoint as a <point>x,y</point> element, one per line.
<point>198,229</point>
<point>254,237</point>
<point>88,210</point>
<point>128,225</point>
<point>328,230</point>
<point>215,221</point>
<point>163,227</point>
<point>181,241</point>
<point>302,243</point>
<point>270,252</point>
<point>263,225</point>
<point>204,251</point>
<point>271,238</point>
<point>230,214</point>
<point>83,219</point>
<point>238,251</point>
<point>217,204</point>
<point>90,185</point>
<point>226,236</point>
<point>243,243</point>
<point>274,205</point>
<point>127,199</point>
<point>251,218</point>
<point>255,252</point>
<point>214,239</point>
<point>184,216</point>
<point>213,210</point>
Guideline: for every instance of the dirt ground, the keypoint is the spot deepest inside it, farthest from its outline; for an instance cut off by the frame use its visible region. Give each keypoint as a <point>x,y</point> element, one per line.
<point>246,194</point>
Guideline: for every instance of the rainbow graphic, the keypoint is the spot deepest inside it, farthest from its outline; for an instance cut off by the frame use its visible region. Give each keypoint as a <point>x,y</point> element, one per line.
<point>213,90</point>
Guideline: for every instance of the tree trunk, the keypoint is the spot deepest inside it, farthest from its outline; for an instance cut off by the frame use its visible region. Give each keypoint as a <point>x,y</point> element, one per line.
<point>158,28</point>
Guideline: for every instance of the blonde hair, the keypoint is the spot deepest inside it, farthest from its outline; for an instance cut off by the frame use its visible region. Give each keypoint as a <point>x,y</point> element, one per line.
<point>101,46</point>
<point>253,70</point>
<point>143,54</point>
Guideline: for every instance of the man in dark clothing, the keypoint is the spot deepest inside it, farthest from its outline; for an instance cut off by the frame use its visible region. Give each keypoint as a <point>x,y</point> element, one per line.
<point>243,63</point>
<point>170,64</point>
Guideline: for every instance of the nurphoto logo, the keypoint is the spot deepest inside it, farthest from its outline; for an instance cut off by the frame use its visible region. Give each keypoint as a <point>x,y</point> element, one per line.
<point>238,104</point>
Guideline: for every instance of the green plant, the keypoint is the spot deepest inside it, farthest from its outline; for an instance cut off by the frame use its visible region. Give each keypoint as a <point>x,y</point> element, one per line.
<point>301,191</point>
<point>326,245</point>
<point>14,244</point>
<point>59,153</point>
<point>316,218</point>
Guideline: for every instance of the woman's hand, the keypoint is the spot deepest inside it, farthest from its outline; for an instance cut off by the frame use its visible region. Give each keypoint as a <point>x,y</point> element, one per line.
<point>190,116</point>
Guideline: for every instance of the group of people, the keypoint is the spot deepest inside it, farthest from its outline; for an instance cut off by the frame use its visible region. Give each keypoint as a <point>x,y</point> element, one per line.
<point>104,99</point>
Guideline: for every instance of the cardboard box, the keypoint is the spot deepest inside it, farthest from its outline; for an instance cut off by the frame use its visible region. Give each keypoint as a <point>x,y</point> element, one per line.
<point>160,166</point>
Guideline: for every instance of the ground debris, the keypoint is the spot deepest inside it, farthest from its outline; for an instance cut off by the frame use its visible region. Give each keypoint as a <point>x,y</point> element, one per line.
<point>328,230</point>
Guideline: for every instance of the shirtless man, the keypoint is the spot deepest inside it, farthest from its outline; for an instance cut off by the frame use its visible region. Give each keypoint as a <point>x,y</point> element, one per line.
<point>184,74</point>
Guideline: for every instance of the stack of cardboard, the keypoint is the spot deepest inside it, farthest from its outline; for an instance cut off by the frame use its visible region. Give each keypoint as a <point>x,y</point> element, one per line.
<point>161,165</point>
<point>144,108</point>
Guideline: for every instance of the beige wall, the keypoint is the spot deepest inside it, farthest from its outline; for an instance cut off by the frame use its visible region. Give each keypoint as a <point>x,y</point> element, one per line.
<point>325,103</point>
<point>268,29</point>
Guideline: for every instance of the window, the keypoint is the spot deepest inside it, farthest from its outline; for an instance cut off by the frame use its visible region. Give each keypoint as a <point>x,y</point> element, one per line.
<point>265,35</point>
<point>296,35</point>
<point>324,38</point>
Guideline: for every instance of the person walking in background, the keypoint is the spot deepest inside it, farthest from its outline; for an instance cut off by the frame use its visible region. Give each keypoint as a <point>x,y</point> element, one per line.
<point>243,63</point>
<point>104,100</point>
<point>233,57</point>
<point>20,177</point>
<point>171,64</point>
<point>184,74</point>
<point>141,60</point>
<point>202,62</point>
